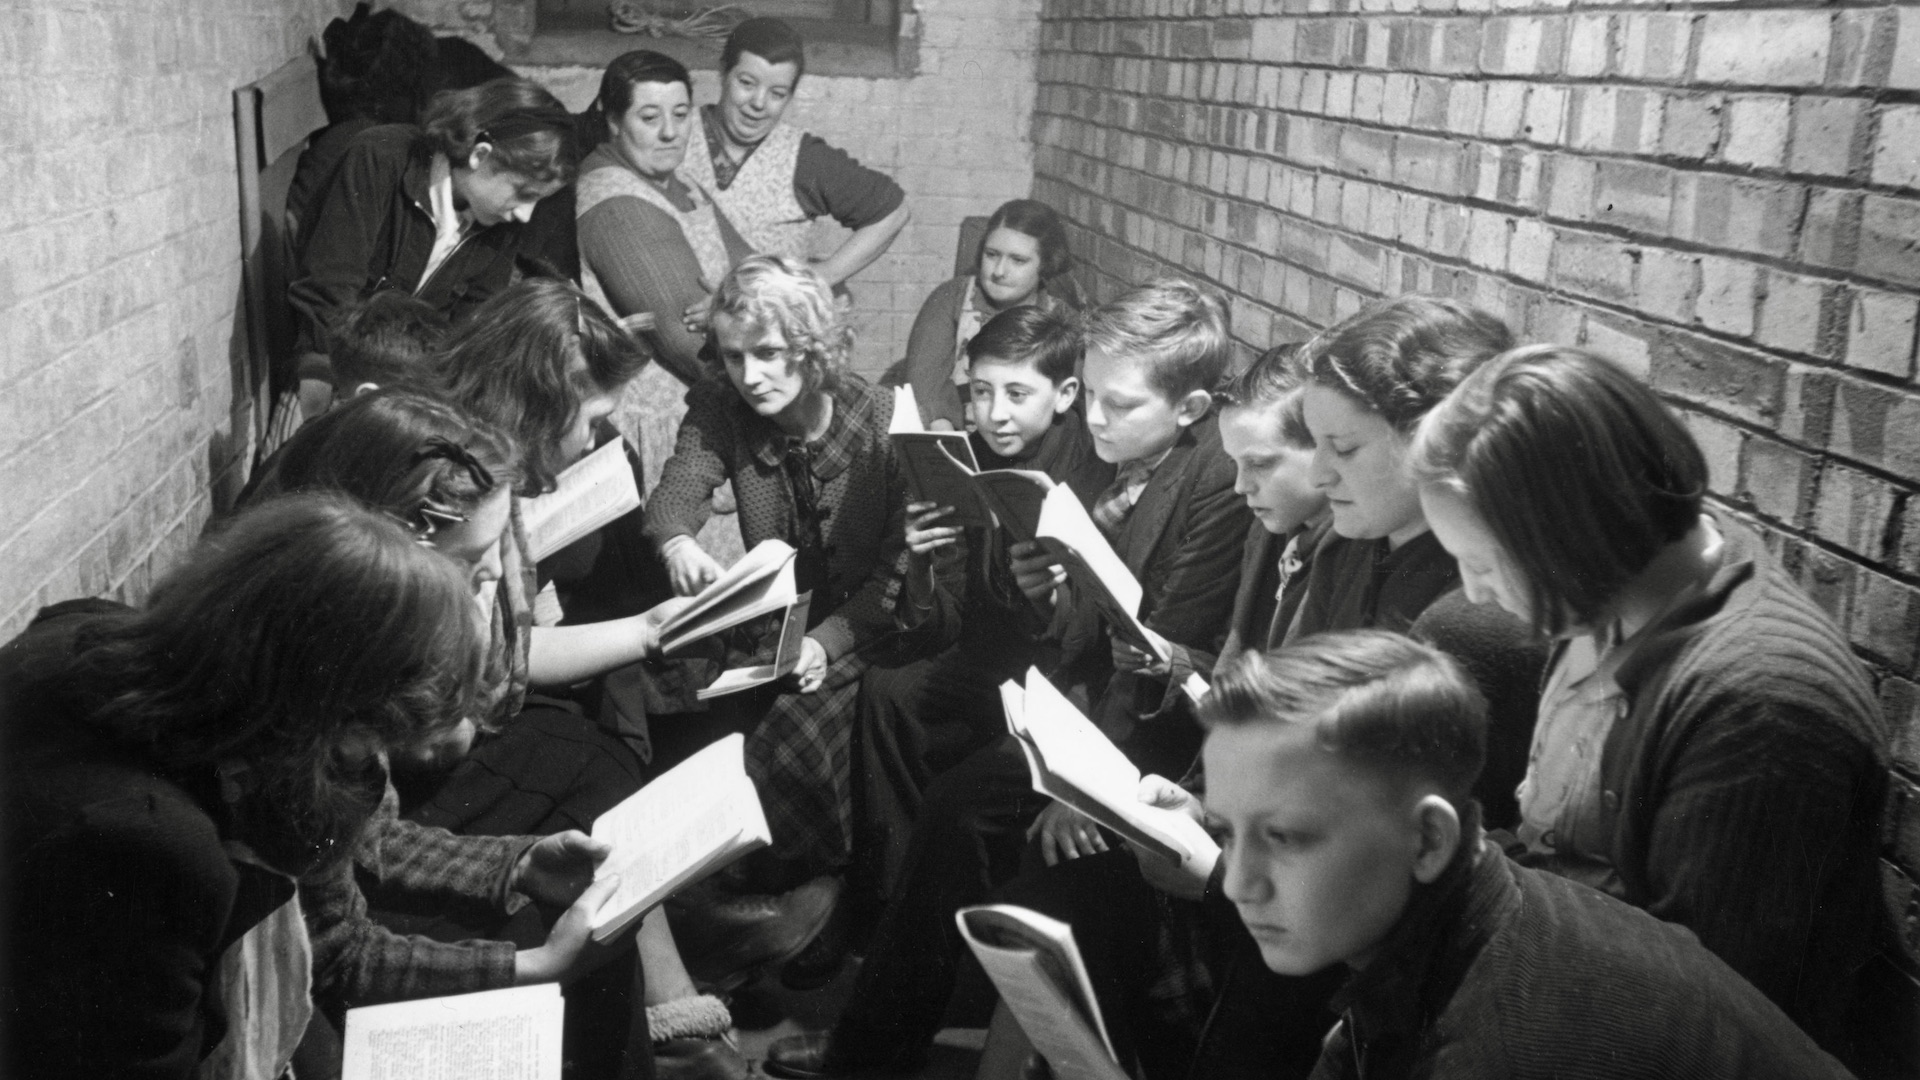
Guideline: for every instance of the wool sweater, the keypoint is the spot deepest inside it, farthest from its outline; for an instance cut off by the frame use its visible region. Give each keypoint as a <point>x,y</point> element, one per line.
<point>1499,971</point>
<point>1745,783</point>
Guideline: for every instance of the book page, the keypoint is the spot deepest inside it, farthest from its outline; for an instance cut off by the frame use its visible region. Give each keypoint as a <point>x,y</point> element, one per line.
<point>1096,571</point>
<point>703,810</point>
<point>906,412</point>
<point>1038,970</point>
<point>591,493</point>
<point>761,582</point>
<point>1081,767</point>
<point>496,1035</point>
<point>1016,497</point>
<point>786,656</point>
<point>939,467</point>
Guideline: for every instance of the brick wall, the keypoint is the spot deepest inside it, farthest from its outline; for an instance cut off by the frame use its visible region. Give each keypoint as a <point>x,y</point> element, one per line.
<point>118,289</point>
<point>1721,198</point>
<point>954,135</point>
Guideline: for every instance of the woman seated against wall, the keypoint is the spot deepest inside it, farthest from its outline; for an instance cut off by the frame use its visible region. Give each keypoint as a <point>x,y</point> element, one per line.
<point>1708,747</point>
<point>803,443</point>
<point>1022,260</point>
<point>169,772</point>
<point>650,242</point>
<point>436,210</point>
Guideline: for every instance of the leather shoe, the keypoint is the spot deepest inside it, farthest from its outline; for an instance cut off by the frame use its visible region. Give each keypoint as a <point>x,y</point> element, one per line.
<point>698,1059</point>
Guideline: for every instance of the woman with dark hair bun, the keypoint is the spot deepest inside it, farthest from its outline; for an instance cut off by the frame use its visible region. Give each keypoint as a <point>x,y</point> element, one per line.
<point>1022,260</point>
<point>170,772</point>
<point>1708,748</point>
<point>435,210</point>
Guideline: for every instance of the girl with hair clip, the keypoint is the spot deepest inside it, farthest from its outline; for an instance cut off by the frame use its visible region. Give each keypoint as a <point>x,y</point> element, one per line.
<point>171,771</point>
<point>436,210</point>
<point>1022,260</point>
<point>1708,747</point>
<point>535,768</point>
<point>803,443</point>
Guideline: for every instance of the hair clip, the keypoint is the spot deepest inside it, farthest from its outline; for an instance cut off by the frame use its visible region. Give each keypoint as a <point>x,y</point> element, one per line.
<point>437,447</point>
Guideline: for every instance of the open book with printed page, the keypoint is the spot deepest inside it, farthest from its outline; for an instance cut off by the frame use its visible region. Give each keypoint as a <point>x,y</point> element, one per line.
<point>940,467</point>
<point>786,656</point>
<point>1094,570</point>
<point>513,1034</point>
<point>1071,760</point>
<point>589,495</point>
<point>1035,964</point>
<point>701,815</point>
<point>761,583</point>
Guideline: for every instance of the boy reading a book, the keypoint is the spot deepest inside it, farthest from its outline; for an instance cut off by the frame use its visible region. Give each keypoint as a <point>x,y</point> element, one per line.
<point>1340,773</point>
<point>1173,517</point>
<point>921,717</point>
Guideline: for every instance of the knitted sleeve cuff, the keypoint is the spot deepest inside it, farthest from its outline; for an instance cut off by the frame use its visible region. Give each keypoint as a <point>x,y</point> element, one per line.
<point>700,1017</point>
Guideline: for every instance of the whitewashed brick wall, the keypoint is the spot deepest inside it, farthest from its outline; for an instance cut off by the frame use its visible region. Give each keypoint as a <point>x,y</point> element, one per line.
<point>119,280</point>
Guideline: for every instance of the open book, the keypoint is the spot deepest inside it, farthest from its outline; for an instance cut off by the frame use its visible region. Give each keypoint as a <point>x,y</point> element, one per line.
<point>940,467</point>
<point>786,656</point>
<point>590,494</point>
<point>762,582</point>
<point>1036,966</point>
<point>1067,531</point>
<point>703,814</point>
<point>1071,760</point>
<point>501,1034</point>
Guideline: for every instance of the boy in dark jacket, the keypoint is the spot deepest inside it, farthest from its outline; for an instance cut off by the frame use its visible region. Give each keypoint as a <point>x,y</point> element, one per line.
<point>1339,777</point>
<point>1173,517</point>
<point>960,596</point>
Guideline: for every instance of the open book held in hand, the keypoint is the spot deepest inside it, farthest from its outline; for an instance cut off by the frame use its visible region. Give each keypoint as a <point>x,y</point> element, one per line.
<point>588,496</point>
<point>1068,533</point>
<point>786,656</point>
<point>700,816</point>
<point>511,1034</point>
<point>1037,968</point>
<point>1073,761</point>
<point>940,467</point>
<point>762,582</point>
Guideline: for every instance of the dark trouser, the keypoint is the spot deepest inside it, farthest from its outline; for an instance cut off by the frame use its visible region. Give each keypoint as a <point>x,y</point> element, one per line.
<point>550,770</point>
<point>1181,984</point>
<point>915,722</point>
<point>968,839</point>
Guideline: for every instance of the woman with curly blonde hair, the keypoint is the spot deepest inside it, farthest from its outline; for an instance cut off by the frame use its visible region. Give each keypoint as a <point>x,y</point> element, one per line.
<point>803,442</point>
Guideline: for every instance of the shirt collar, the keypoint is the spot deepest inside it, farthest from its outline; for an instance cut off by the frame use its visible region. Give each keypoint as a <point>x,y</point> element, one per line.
<point>834,451</point>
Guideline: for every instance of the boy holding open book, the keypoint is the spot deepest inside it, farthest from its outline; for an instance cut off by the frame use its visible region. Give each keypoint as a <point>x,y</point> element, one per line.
<point>918,718</point>
<point>1174,520</point>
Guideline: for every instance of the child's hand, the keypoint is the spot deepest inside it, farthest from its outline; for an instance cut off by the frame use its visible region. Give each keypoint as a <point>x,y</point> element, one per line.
<point>658,616</point>
<point>570,951</point>
<point>811,671</point>
<point>688,566</point>
<point>1037,572</point>
<point>1128,658</point>
<point>924,537</point>
<point>940,423</point>
<point>697,315</point>
<point>1185,881</point>
<point>1065,833</point>
<point>557,869</point>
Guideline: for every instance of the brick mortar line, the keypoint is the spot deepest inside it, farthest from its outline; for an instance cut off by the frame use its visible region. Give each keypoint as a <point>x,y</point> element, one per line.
<point>1665,243</point>
<point>1674,161</point>
<point>1572,299</point>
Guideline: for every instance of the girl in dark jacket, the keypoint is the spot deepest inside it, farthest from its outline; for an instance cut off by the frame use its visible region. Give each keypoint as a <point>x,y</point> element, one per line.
<point>1708,747</point>
<point>436,210</point>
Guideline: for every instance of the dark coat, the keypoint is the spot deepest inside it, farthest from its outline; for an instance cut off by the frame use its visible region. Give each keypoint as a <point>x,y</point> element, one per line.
<point>372,228</point>
<point>1183,542</point>
<point>1500,971</point>
<point>122,895</point>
